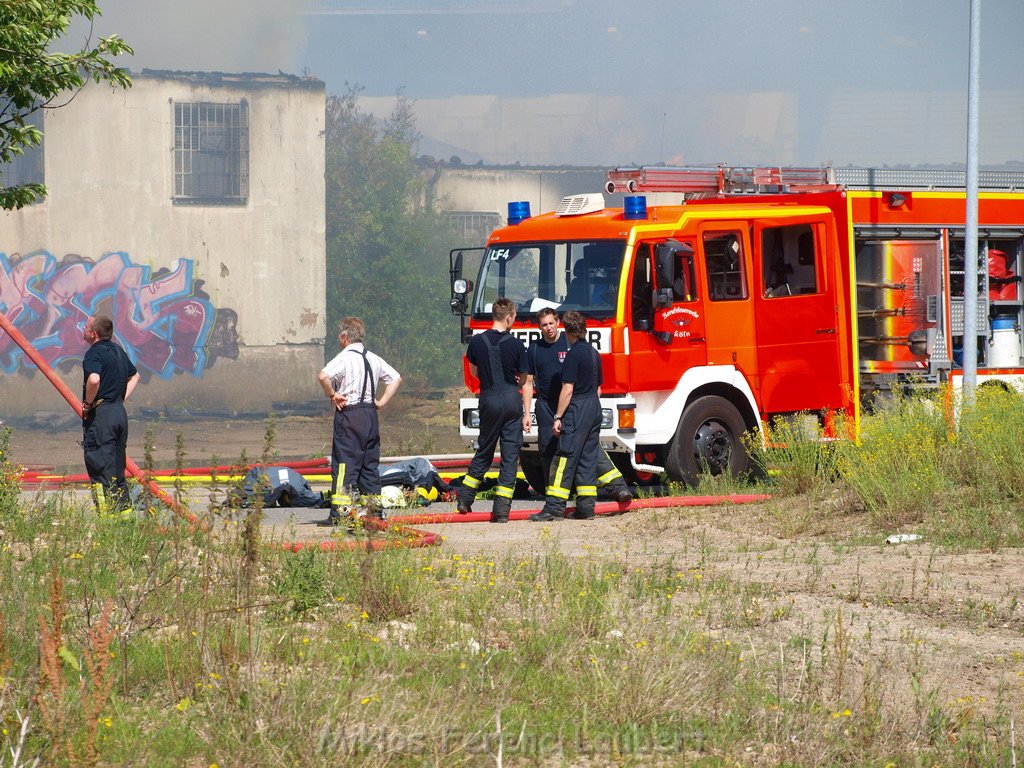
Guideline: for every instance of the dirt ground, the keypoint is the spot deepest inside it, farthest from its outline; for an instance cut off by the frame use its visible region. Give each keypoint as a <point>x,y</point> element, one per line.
<point>962,609</point>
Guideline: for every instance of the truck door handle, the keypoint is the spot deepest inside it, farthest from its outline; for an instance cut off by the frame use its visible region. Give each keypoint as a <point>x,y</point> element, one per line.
<point>696,339</point>
<point>826,330</point>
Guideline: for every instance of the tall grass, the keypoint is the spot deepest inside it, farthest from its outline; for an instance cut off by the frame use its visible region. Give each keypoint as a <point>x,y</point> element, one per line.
<point>145,642</point>
<point>412,657</point>
<point>912,468</point>
<point>899,468</point>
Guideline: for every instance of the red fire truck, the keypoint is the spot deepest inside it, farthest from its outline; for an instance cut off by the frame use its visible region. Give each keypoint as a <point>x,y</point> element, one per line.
<point>759,293</point>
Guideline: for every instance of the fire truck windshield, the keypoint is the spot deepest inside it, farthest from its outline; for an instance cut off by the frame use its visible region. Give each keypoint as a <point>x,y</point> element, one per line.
<point>581,275</point>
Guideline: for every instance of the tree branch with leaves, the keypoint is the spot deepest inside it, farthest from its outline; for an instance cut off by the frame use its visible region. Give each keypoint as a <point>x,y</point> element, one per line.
<point>35,77</point>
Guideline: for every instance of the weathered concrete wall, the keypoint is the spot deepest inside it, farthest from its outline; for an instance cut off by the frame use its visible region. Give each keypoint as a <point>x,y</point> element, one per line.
<point>221,306</point>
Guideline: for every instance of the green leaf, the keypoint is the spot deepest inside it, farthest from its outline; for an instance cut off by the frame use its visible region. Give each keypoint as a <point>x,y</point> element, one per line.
<point>33,76</point>
<point>69,658</point>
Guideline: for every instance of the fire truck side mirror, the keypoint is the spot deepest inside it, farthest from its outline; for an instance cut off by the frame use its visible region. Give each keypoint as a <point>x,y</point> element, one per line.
<point>460,289</point>
<point>663,264</point>
<point>664,257</point>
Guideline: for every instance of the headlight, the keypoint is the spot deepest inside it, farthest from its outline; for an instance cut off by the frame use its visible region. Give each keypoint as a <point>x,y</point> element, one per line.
<point>473,418</point>
<point>606,418</point>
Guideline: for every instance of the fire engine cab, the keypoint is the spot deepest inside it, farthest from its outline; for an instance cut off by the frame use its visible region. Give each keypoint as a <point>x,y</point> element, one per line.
<point>758,293</point>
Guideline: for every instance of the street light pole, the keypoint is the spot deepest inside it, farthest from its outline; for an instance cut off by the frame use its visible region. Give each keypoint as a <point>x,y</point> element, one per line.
<point>970,343</point>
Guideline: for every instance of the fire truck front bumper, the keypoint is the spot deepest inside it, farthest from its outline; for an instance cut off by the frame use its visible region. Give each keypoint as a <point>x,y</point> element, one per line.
<point>618,424</point>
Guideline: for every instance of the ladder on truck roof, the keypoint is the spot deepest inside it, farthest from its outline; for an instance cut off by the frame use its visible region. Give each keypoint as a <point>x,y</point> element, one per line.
<point>719,180</point>
<point>728,180</point>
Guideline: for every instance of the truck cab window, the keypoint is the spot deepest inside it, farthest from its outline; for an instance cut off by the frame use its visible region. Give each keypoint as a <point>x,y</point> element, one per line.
<point>510,273</point>
<point>723,255</point>
<point>788,261</point>
<point>642,289</point>
<point>557,275</point>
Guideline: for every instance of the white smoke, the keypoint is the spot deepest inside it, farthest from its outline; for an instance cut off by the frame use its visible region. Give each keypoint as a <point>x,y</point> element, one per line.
<point>204,35</point>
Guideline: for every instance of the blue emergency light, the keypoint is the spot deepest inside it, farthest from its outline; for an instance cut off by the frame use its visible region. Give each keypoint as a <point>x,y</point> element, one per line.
<point>518,211</point>
<point>635,207</point>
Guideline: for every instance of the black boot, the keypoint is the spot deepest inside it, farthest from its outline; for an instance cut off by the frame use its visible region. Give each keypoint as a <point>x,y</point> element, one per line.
<point>500,510</point>
<point>620,492</point>
<point>464,501</point>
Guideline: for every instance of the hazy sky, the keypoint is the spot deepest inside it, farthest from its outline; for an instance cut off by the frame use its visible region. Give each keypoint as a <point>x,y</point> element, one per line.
<point>659,51</point>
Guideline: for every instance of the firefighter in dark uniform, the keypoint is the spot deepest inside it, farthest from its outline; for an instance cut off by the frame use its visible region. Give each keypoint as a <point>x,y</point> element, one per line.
<point>498,360</point>
<point>577,428</point>
<point>109,380</point>
<point>545,357</point>
<point>350,382</point>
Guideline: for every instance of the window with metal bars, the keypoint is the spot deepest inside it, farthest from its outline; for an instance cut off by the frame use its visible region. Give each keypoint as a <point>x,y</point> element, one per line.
<point>211,153</point>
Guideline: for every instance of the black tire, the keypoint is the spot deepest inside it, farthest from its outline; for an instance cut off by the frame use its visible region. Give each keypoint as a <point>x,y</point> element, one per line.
<point>533,470</point>
<point>709,439</point>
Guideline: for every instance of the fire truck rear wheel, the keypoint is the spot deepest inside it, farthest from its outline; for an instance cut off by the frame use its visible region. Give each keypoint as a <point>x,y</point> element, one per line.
<point>709,440</point>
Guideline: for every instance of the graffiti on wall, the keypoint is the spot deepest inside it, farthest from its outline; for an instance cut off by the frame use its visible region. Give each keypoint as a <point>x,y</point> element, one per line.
<point>164,320</point>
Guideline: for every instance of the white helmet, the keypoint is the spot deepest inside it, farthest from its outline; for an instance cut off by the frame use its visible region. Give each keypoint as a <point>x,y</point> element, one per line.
<point>392,497</point>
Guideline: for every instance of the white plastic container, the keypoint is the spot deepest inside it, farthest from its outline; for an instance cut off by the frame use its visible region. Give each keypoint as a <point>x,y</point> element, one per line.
<point>1004,351</point>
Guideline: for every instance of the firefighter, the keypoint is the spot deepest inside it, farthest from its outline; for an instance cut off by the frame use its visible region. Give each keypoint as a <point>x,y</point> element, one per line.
<point>498,360</point>
<point>576,426</point>
<point>109,380</point>
<point>545,358</point>
<point>350,383</point>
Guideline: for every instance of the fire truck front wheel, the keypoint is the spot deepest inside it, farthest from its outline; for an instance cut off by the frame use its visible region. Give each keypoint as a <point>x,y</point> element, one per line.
<point>709,440</point>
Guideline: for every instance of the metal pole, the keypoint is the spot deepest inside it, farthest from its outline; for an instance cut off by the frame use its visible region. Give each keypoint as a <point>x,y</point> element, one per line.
<point>970,345</point>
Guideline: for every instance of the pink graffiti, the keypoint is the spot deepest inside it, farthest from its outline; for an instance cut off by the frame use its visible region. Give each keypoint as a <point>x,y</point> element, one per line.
<point>164,322</point>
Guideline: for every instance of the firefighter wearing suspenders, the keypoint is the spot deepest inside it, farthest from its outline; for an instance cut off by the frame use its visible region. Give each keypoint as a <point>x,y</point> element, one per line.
<point>350,382</point>
<point>498,360</point>
<point>545,357</point>
<point>577,428</point>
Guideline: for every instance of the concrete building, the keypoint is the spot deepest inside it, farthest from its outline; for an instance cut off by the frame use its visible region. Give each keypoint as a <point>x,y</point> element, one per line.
<point>191,209</point>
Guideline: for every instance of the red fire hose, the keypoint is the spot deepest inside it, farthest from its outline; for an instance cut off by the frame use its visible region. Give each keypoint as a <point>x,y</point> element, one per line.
<point>416,538</point>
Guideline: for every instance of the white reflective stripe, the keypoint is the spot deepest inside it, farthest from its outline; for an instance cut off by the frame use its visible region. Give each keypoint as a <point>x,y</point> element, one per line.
<point>607,477</point>
<point>503,491</point>
<point>558,493</point>
<point>471,482</point>
<point>586,490</point>
<point>599,338</point>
